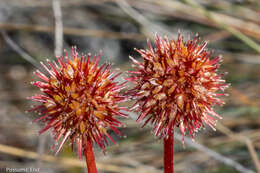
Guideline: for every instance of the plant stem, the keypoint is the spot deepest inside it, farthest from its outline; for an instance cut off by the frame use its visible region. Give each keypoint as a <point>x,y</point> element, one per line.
<point>90,157</point>
<point>168,153</point>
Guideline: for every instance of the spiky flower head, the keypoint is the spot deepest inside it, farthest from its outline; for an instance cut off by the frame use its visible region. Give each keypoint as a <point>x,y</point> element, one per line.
<point>176,85</point>
<point>79,100</point>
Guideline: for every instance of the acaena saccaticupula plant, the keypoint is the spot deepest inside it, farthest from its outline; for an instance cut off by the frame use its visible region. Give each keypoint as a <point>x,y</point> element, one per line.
<point>176,85</point>
<point>79,101</point>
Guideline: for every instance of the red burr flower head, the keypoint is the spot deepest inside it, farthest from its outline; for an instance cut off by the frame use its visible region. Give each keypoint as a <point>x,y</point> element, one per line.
<point>176,85</point>
<point>79,100</point>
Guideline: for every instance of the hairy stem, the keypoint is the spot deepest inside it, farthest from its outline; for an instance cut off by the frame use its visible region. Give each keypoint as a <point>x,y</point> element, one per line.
<point>168,153</point>
<point>90,157</point>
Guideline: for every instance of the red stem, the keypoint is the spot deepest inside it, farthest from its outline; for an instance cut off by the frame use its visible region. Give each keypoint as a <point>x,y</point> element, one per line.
<point>90,157</point>
<point>168,154</point>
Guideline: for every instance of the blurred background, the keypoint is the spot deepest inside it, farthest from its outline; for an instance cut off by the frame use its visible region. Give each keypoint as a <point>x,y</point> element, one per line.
<point>32,31</point>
